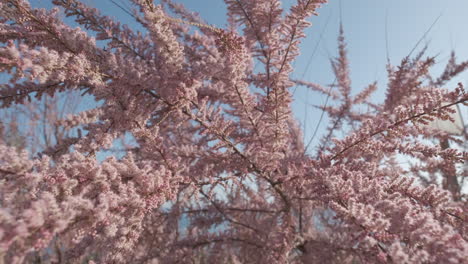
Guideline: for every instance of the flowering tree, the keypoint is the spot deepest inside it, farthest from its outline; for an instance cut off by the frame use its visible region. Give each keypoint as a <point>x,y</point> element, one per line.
<point>219,172</point>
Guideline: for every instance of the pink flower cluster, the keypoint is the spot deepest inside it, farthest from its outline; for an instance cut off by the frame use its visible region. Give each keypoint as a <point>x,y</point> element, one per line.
<point>217,171</point>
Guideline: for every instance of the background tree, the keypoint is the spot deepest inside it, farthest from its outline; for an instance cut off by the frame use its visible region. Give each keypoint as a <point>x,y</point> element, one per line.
<point>35,125</point>
<point>218,171</point>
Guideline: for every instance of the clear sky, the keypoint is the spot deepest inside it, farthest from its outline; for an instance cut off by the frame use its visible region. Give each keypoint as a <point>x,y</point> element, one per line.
<point>365,23</point>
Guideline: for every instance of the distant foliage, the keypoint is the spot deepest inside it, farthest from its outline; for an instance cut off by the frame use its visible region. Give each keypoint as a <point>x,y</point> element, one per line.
<point>218,171</point>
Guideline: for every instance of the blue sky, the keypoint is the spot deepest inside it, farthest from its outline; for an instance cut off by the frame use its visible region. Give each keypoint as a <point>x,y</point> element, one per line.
<point>364,23</point>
